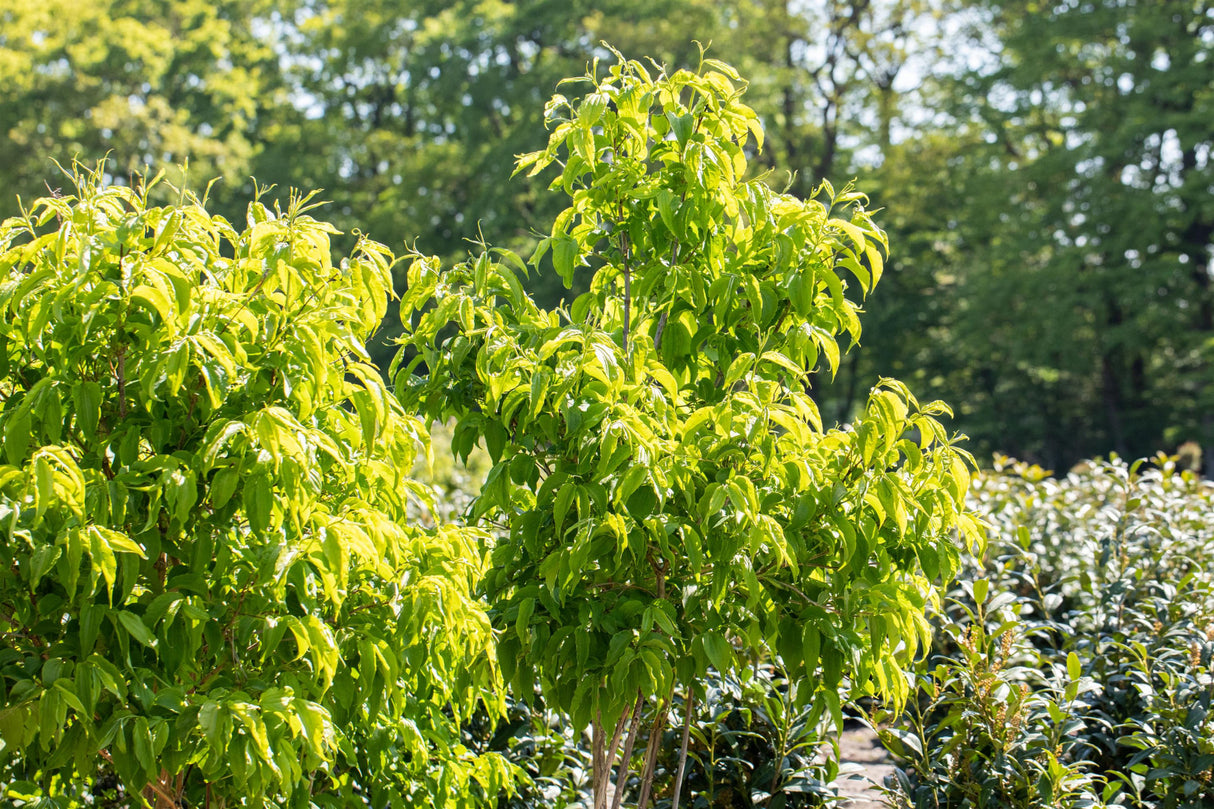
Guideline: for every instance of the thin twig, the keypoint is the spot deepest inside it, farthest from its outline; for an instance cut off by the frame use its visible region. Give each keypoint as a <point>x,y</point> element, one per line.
<point>651,752</point>
<point>122,382</point>
<point>621,778</point>
<point>624,244</point>
<point>689,709</point>
<point>657,337</point>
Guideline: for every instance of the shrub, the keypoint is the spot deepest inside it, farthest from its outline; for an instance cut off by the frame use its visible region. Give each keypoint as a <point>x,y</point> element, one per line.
<point>750,745</point>
<point>211,592</point>
<point>1097,637</point>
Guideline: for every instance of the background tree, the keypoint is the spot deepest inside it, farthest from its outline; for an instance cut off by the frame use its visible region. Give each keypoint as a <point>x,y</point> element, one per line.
<point>145,83</point>
<point>415,114</point>
<point>1078,242</point>
<point>1043,170</point>
<point>215,589</point>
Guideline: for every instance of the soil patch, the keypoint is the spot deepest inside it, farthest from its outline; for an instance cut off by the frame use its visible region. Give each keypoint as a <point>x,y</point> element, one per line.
<point>863,764</point>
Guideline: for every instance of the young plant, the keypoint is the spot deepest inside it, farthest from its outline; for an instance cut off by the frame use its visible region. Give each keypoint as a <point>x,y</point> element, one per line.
<point>667,497</point>
<point>1081,676</point>
<point>992,729</point>
<point>210,590</point>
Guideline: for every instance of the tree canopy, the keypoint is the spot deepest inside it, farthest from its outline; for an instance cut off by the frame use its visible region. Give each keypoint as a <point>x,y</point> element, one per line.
<point>668,497</point>
<point>1044,167</point>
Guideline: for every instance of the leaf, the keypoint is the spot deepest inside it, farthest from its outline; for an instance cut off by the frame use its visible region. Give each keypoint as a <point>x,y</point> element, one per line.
<point>118,541</point>
<point>720,653</point>
<point>811,645</point>
<point>902,743</point>
<point>1074,669</point>
<point>540,380</point>
<point>86,399</point>
<point>156,299</point>
<point>561,506</point>
<point>495,440</point>
<point>73,701</point>
<point>681,125</point>
<point>138,630</point>
<point>592,107</point>
<point>102,557</point>
<point>980,588</point>
<point>784,362</point>
<point>696,420</point>
<point>522,622</point>
<point>141,735</point>
<point>564,254</point>
<point>666,200</point>
<point>44,484</point>
<point>223,486</point>
<point>258,502</point>
<point>17,436</point>
<point>873,253</point>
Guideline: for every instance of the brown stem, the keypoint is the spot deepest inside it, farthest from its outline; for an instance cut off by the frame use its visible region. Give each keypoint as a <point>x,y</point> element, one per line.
<point>621,778</point>
<point>122,383</point>
<point>689,709</point>
<point>164,799</point>
<point>627,290</point>
<point>651,752</point>
<point>657,337</point>
<point>602,776</point>
<point>597,759</point>
<point>659,572</point>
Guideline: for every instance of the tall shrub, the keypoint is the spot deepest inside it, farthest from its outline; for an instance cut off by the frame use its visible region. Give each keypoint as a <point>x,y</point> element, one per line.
<point>667,495</point>
<point>210,590</point>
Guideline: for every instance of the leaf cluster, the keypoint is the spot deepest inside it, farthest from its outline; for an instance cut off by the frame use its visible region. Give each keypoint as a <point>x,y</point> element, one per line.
<point>212,584</point>
<point>667,496</point>
<point>1077,670</point>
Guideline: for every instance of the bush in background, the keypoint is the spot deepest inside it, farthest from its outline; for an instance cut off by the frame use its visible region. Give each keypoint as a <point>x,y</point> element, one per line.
<point>1074,667</point>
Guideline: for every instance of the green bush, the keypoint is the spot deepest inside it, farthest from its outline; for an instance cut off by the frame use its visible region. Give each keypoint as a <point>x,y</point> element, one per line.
<point>669,501</point>
<point>750,745</point>
<point>1074,667</point>
<point>210,587</point>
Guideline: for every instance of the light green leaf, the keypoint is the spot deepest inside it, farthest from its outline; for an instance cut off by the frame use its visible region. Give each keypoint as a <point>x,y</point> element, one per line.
<point>1074,669</point>
<point>980,589</point>
<point>138,630</point>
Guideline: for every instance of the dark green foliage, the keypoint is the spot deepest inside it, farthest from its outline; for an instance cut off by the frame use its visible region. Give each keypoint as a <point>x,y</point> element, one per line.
<point>1057,228</point>
<point>750,746</point>
<point>1077,670</point>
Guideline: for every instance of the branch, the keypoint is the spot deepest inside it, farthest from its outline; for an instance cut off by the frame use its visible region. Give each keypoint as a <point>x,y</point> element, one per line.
<point>689,709</point>
<point>597,758</point>
<point>621,778</point>
<point>651,752</point>
<point>624,245</point>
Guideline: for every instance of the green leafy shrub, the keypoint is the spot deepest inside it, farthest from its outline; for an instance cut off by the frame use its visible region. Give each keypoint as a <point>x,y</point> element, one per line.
<point>995,725</point>
<point>750,745</point>
<point>211,591</point>
<point>756,745</point>
<point>1101,585</point>
<point>668,499</point>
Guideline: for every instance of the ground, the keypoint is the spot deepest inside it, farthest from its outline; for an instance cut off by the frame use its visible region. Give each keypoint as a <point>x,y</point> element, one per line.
<point>864,764</point>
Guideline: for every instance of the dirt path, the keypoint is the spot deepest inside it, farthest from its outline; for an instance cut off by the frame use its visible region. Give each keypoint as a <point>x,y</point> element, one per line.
<point>863,764</point>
